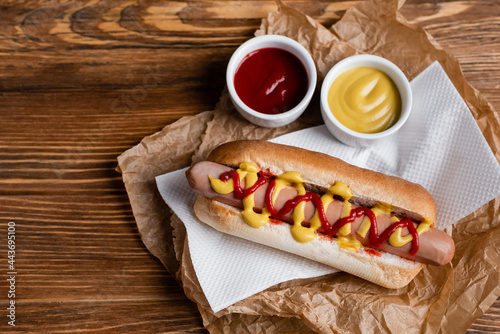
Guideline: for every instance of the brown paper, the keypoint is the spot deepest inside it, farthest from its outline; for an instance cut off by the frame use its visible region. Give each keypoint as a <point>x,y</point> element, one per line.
<point>446,299</point>
<point>167,150</point>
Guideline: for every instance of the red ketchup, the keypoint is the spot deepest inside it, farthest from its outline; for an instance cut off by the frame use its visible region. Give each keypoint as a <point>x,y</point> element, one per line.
<point>271,80</point>
<point>375,239</point>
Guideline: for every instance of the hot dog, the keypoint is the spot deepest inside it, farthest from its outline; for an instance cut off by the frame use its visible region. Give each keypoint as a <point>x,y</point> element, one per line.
<point>322,208</point>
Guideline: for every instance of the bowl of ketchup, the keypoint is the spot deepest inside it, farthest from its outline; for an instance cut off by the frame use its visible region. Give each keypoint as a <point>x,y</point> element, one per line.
<point>271,80</point>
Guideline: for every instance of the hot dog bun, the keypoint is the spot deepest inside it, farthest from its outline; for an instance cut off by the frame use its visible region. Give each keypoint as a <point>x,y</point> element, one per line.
<point>390,271</point>
<point>321,171</point>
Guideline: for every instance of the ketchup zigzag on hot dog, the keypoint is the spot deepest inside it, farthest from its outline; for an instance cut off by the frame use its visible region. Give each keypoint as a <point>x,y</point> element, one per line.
<point>371,225</point>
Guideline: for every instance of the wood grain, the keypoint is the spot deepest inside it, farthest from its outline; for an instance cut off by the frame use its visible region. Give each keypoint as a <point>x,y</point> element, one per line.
<point>81,82</point>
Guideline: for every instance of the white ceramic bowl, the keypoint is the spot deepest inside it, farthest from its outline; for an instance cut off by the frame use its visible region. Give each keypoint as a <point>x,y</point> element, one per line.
<point>358,139</point>
<point>271,41</point>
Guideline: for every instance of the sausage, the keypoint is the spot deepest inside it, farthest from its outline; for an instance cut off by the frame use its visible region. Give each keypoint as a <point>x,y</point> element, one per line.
<point>436,247</point>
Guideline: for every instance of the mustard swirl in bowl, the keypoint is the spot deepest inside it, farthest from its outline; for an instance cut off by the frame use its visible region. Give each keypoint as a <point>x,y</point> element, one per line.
<point>365,100</point>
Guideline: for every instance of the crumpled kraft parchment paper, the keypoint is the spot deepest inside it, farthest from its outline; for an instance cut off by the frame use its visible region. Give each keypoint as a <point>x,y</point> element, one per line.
<point>440,299</point>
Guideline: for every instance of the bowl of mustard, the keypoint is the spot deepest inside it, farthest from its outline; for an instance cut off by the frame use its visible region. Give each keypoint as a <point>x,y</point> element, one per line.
<point>365,99</point>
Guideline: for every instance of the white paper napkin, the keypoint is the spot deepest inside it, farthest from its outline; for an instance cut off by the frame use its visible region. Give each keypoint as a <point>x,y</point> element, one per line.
<point>440,147</point>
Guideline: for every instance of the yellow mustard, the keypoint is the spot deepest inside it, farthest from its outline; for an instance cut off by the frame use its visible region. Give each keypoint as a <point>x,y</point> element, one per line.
<point>301,233</point>
<point>397,240</point>
<point>340,188</point>
<point>348,242</point>
<point>379,208</point>
<point>365,100</point>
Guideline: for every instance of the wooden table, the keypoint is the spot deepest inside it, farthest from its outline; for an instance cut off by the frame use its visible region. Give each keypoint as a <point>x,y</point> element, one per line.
<point>71,101</point>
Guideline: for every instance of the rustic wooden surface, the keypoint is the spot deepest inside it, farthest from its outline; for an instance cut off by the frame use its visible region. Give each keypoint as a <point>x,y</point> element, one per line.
<point>71,101</point>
